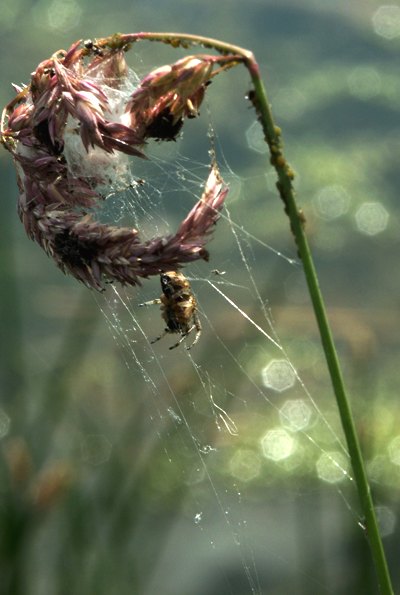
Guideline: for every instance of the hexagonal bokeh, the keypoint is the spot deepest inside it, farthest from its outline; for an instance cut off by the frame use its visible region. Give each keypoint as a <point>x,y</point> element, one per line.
<point>332,467</point>
<point>364,82</point>
<point>95,449</point>
<point>63,15</point>
<point>278,444</point>
<point>279,375</point>
<point>386,520</point>
<point>255,138</point>
<point>394,450</point>
<point>289,103</point>
<point>331,202</point>
<point>371,218</point>
<point>245,464</point>
<point>386,21</point>
<point>376,468</point>
<point>295,415</point>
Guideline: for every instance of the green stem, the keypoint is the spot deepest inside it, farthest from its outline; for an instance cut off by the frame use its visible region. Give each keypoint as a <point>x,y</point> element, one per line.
<point>285,187</point>
<point>285,176</point>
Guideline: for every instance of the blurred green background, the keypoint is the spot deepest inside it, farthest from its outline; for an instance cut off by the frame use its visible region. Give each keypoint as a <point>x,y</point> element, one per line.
<point>118,475</point>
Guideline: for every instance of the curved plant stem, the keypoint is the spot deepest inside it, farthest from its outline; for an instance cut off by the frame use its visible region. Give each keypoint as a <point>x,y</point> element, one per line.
<point>285,188</point>
<point>285,176</point>
<point>296,217</point>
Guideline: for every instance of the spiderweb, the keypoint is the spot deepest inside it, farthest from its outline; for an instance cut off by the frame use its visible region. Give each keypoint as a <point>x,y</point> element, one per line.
<point>235,420</point>
<point>240,451</point>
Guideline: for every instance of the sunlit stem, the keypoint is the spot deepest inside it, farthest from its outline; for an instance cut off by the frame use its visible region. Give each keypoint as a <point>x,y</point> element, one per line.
<point>272,136</point>
<point>296,217</point>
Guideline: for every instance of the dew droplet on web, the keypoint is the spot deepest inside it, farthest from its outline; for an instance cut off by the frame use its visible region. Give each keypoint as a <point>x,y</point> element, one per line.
<point>236,539</point>
<point>207,449</point>
<point>198,518</point>
<point>174,415</point>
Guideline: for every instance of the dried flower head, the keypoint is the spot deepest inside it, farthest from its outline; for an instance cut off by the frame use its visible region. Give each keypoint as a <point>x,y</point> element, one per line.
<point>74,100</point>
<point>169,94</point>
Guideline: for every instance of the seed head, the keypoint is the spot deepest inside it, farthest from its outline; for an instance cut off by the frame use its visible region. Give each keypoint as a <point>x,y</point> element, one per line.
<point>71,98</point>
<point>168,94</point>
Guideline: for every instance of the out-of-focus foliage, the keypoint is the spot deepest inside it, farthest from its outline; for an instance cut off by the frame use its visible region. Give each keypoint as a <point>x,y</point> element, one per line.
<point>96,491</point>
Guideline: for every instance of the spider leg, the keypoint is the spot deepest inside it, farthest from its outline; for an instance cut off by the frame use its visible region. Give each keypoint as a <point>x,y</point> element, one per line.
<point>159,337</point>
<point>196,326</point>
<point>197,337</point>
<point>183,337</point>
<point>151,302</point>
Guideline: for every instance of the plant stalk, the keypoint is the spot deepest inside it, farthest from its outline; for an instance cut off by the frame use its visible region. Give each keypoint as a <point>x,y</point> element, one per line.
<point>296,217</point>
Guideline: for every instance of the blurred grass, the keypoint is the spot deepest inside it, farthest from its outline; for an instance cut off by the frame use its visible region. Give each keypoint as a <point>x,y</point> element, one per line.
<point>72,526</point>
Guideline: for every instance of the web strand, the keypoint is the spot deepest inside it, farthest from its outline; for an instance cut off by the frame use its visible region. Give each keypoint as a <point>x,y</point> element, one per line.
<point>187,415</point>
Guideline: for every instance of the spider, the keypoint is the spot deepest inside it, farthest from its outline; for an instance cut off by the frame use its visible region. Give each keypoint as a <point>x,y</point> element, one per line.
<point>164,127</point>
<point>178,307</point>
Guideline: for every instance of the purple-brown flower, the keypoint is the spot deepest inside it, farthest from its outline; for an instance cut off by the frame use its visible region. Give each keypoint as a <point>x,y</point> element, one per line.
<point>71,102</point>
<point>169,94</point>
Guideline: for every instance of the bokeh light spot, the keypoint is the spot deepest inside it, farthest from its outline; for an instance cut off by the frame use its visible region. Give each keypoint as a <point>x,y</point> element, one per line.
<point>5,423</point>
<point>386,520</point>
<point>10,10</point>
<point>95,449</point>
<point>394,450</point>
<point>63,15</point>
<point>289,103</point>
<point>278,375</point>
<point>255,138</point>
<point>371,218</point>
<point>331,202</point>
<point>278,444</point>
<point>386,21</point>
<point>295,415</point>
<point>245,464</point>
<point>332,467</point>
<point>235,185</point>
<point>377,467</point>
<point>364,82</point>
<point>196,476</point>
